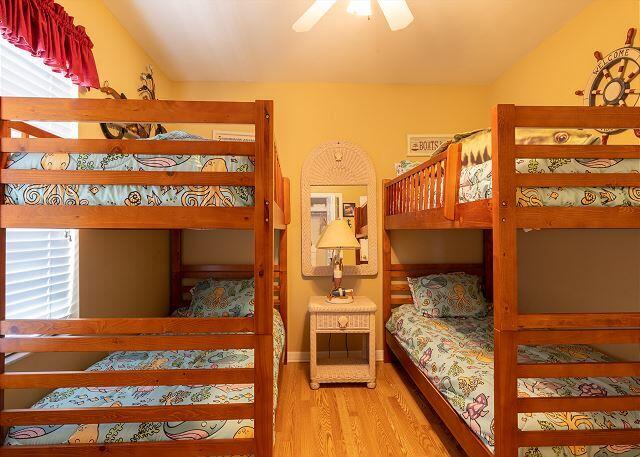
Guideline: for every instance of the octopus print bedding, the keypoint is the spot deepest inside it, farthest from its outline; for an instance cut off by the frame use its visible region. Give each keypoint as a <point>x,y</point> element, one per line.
<point>456,354</point>
<point>128,195</point>
<point>154,395</point>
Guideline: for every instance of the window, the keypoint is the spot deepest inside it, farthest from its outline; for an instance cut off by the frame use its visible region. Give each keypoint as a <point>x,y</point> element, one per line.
<point>22,75</point>
<point>42,264</point>
<point>41,278</point>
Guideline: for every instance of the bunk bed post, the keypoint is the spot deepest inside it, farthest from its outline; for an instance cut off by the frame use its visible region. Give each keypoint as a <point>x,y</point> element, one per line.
<point>386,272</point>
<point>175,249</point>
<point>487,261</point>
<point>263,277</point>
<point>452,180</point>
<point>282,284</point>
<point>4,133</point>
<point>283,262</point>
<point>505,280</point>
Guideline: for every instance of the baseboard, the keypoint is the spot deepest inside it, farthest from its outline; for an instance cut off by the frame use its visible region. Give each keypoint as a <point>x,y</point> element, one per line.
<point>300,357</point>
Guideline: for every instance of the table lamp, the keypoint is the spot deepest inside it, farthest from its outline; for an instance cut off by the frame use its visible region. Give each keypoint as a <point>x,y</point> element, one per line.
<point>338,236</point>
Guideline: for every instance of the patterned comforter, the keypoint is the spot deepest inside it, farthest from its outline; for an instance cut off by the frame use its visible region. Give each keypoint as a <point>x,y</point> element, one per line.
<point>456,354</point>
<point>78,397</point>
<point>108,195</point>
<point>475,176</point>
<point>476,183</point>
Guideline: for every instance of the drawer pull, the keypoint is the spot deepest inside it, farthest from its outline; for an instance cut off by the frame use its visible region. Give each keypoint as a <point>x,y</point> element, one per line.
<point>343,322</point>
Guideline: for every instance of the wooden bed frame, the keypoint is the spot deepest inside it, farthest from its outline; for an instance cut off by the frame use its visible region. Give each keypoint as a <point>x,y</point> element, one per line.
<point>271,211</point>
<point>427,198</point>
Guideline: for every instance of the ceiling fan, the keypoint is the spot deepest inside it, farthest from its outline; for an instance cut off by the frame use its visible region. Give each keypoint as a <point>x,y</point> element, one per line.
<point>396,12</point>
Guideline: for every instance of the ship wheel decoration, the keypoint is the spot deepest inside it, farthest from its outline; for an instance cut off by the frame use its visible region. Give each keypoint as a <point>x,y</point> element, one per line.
<point>615,81</point>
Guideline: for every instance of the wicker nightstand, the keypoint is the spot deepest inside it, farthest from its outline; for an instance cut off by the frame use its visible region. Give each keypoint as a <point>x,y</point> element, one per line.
<point>356,317</point>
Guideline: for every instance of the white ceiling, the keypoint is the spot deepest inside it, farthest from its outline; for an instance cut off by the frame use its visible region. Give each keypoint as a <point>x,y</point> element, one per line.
<point>450,41</point>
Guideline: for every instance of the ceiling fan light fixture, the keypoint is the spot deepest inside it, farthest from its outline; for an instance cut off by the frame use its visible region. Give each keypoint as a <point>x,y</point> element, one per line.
<point>315,12</point>
<point>397,13</point>
<point>359,7</point>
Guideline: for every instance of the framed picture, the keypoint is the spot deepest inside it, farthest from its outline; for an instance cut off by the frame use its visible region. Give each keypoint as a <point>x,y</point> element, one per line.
<point>220,135</point>
<point>348,210</point>
<point>424,145</point>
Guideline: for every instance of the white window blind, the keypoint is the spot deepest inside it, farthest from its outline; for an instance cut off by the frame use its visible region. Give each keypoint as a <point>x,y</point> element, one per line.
<point>41,281</point>
<point>22,75</point>
<point>42,264</point>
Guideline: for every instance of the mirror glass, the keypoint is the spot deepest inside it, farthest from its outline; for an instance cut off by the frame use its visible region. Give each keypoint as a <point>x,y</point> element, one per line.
<point>328,203</point>
<point>338,198</point>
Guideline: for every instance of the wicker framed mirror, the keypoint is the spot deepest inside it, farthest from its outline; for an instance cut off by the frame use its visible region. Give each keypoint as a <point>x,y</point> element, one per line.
<point>339,182</point>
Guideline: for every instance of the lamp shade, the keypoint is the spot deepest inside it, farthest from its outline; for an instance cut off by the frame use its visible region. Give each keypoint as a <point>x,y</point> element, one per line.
<point>337,235</point>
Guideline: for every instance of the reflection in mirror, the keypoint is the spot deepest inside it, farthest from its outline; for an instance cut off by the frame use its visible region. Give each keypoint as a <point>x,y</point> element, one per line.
<point>328,203</point>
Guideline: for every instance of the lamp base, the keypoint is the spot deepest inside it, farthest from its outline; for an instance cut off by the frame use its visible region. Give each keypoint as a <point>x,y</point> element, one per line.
<point>339,300</point>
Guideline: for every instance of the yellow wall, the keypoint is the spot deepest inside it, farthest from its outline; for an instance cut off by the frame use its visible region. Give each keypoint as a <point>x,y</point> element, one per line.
<point>575,270</point>
<point>562,63</point>
<point>118,56</point>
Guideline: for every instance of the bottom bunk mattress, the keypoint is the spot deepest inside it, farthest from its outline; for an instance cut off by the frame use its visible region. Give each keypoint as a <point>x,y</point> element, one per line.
<point>456,354</point>
<point>79,397</point>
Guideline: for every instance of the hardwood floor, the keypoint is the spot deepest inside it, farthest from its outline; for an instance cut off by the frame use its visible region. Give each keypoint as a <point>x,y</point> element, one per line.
<point>353,421</point>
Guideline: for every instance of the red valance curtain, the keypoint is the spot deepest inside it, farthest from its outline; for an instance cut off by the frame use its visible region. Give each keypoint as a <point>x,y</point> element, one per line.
<point>44,28</point>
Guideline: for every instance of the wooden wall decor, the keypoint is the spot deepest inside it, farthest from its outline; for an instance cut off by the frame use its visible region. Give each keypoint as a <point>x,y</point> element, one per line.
<point>613,82</point>
<point>147,91</point>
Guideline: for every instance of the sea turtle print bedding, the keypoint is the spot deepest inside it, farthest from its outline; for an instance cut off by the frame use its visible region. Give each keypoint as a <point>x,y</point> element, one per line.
<point>130,195</point>
<point>113,397</point>
<point>456,354</point>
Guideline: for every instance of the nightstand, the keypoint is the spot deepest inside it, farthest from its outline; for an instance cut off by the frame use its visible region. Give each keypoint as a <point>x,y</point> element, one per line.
<point>357,317</point>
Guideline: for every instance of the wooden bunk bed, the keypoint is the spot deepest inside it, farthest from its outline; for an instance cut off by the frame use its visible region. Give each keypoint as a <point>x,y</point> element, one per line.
<point>270,212</point>
<point>426,197</point>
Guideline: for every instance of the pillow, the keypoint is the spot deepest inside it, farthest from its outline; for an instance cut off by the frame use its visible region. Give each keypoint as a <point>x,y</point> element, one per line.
<point>183,311</point>
<point>223,298</point>
<point>405,165</point>
<point>448,295</point>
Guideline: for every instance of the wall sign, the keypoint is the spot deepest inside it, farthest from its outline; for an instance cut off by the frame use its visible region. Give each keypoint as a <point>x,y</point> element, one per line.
<point>424,145</point>
<point>243,137</point>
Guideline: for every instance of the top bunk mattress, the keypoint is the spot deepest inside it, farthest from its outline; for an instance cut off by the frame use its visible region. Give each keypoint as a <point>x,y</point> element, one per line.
<point>130,195</point>
<point>476,182</point>
<point>456,354</point>
<point>476,174</point>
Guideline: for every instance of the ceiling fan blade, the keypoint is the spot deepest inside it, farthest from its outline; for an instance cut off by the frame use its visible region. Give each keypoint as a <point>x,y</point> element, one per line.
<point>313,15</point>
<point>397,13</point>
